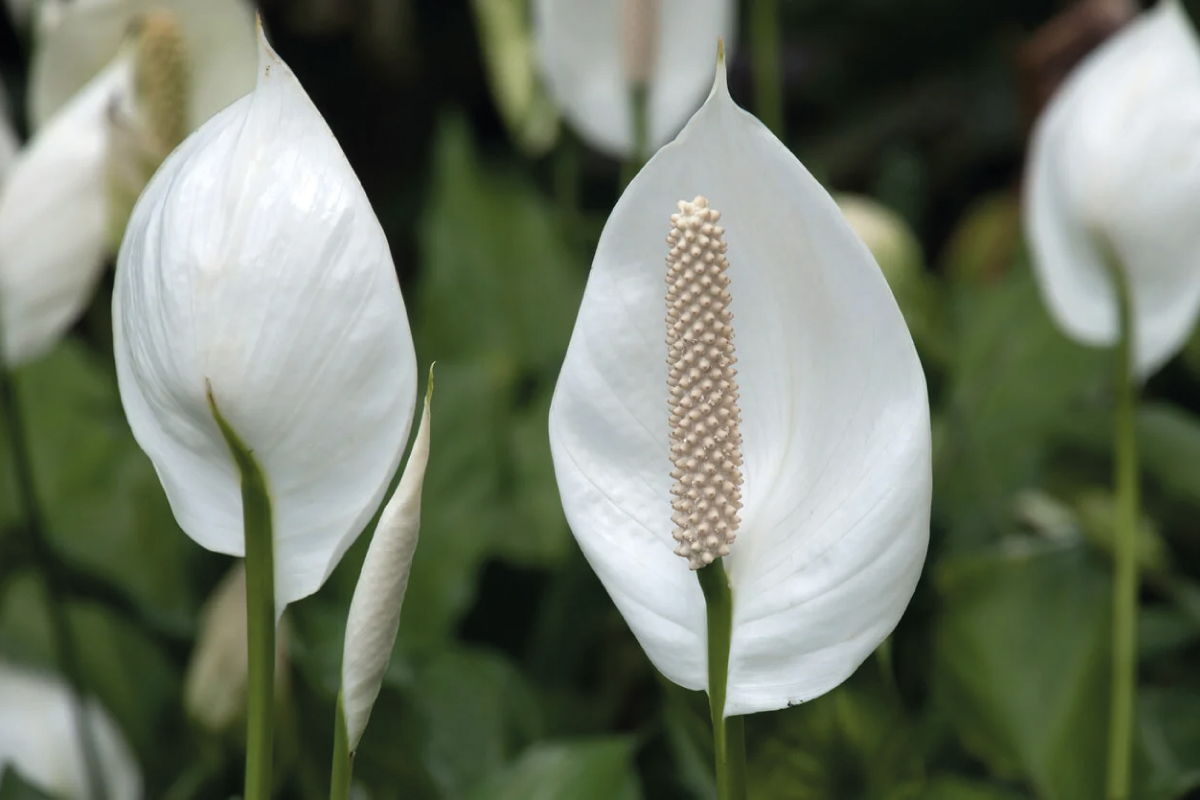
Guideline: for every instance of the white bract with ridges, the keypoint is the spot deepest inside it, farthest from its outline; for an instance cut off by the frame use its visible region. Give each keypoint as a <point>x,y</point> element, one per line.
<point>253,268</point>
<point>1114,176</point>
<point>591,52</point>
<point>832,420</point>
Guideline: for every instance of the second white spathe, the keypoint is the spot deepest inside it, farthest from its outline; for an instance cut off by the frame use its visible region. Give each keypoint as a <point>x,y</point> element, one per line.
<point>1114,174</point>
<point>254,268</point>
<point>582,51</point>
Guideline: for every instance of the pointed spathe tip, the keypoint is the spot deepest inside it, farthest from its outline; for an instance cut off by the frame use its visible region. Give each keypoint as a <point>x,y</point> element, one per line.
<point>268,59</point>
<point>720,81</point>
<point>720,52</point>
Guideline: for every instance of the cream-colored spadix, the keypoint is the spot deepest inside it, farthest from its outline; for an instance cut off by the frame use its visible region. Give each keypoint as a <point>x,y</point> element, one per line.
<point>254,267</point>
<point>831,442</point>
<point>1113,179</point>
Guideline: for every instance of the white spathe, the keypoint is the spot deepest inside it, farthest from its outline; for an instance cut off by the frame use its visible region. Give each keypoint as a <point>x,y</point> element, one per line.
<point>38,738</point>
<point>1114,164</point>
<point>581,52</point>
<point>374,616</point>
<point>834,423</point>
<point>74,39</point>
<point>254,266</point>
<point>54,218</point>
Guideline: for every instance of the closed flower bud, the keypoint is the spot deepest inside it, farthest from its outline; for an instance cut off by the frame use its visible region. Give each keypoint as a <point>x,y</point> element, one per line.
<point>254,275</point>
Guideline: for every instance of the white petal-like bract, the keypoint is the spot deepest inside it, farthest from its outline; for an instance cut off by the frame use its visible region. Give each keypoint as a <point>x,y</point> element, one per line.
<point>39,739</point>
<point>54,218</point>
<point>580,48</point>
<point>75,39</point>
<point>374,616</point>
<point>1114,172</point>
<point>254,267</point>
<point>834,423</point>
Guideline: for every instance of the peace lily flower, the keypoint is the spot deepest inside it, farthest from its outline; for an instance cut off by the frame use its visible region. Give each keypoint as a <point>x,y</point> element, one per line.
<point>75,39</point>
<point>806,467</point>
<point>74,183</point>
<point>374,617</point>
<point>593,52</point>
<point>38,738</point>
<point>255,276</point>
<point>1114,175</point>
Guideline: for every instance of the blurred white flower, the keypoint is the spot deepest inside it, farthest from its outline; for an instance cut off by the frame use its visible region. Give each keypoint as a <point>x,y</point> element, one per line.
<point>214,690</point>
<point>825,421</point>
<point>75,39</point>
<point>254,267</point>
<point>374,616</point>
<point>39,739</point>
<point>1114,172</point>
<point>591,51</point>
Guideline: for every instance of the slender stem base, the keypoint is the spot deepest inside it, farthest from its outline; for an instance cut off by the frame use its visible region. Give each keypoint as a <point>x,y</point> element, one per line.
<point>1125,586</point>
<point>768,64</point>
<point>260,613</point>
<point>343,759</point>
<point>729,747</point>
<point>639,107</point>
<point>44,559</point>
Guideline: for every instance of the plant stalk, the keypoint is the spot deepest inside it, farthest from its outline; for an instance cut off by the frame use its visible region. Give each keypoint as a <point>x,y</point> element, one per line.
<point>639,106</point>
<point>768,64</point>
<point>343,759</point>
<point>1125,584</point>
<point>260,613</point>
<point>729,745</point>
<point>44,559</point>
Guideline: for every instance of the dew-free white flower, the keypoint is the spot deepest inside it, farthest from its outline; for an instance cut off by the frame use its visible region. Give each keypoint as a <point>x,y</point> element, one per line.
<point>39,739</point>
<point>834,450</point>
<point>589,48</point>
<point>254,267</point>
<point>75,39</point>
<point>214,690</point>
<point>1114,165</point>
<point>374,616</point>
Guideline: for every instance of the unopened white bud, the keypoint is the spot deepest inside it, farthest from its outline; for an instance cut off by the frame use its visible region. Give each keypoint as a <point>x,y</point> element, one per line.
<point>640,20</point>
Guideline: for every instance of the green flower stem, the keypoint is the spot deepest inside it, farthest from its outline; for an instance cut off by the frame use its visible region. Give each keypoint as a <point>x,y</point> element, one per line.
<point>343,759</point>
<point>1125,588</point>
<point>729,745</point>
<point>260,613</point>
<point>43,558</point>
<point>639,105</point>
<point>768,64</point>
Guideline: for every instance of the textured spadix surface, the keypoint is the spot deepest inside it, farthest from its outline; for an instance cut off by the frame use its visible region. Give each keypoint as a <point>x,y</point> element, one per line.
<point>834,423</point>
<point>583,53</point>
<point>1114,165</point>
<point>253,265</point>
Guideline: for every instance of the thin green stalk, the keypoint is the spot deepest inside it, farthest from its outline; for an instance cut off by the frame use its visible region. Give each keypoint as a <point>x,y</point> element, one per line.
<point>639,106</point>
<point>766,50</point>
<point>260,613</point>
<point>47,564</point>
<point>729,746</point>
<point>1125,588</point>
<point>343,759</point>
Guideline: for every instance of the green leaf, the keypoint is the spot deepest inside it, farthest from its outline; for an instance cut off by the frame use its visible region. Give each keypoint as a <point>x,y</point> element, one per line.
<point>600,769</point>
<point>1014,379</point>
<point>854,742</point>
<point>479,713</point>
<point>14,787</point>
<point>1169,738</point>
<point>946,787</point>
<point>1022,667</point>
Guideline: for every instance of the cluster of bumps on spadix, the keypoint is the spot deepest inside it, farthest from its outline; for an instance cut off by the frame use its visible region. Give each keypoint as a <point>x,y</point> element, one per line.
<point>706,446</point>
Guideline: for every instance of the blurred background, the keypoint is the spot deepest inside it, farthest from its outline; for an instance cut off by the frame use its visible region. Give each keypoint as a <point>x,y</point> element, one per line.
<point>514,676</point>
